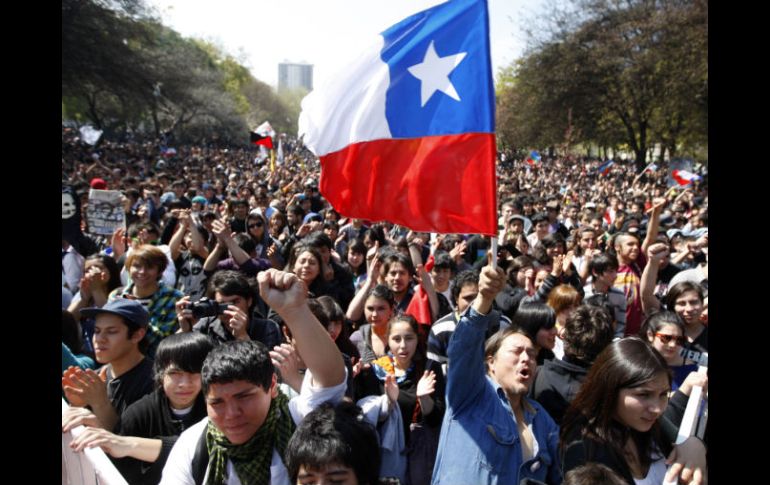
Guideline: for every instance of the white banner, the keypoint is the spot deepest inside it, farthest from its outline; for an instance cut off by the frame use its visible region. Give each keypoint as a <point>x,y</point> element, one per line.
<point>105,211</point>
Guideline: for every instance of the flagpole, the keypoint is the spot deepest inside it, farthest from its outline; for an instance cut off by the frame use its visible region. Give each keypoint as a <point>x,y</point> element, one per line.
<point>494,252</point>
<point>642,173</point>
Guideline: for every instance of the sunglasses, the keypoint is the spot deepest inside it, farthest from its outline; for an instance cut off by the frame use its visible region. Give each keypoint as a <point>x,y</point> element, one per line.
<point>679,339</point>
<point>256,224</point>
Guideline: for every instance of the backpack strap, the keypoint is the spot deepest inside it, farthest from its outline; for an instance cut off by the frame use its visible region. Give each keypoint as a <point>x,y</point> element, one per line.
<point>200,459</point>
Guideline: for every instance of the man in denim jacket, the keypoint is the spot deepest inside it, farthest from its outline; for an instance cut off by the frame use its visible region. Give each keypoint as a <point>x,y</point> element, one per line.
<point>492,433</point>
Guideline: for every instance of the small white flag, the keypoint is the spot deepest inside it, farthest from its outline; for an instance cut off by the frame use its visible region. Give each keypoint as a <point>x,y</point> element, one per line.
<point>89,134</point>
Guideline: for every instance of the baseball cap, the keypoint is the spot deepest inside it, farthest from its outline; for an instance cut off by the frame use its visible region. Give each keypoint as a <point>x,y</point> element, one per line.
<point>98,184</point>
<point>524,220</point>
<point>130,310</point>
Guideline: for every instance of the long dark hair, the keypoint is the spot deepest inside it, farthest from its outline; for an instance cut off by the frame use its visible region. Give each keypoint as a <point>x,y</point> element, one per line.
<point>627,363</point>
<point>357,246</point>
<point>420,353</point>
<point>334,313</point>
<point>657,320</point>
<point>549,241</point>
<point>318,286</point>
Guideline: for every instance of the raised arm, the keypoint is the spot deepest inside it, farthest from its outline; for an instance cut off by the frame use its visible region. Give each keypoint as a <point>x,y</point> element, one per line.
<point>214,256</point>
<point>197,244</point>
<point>356,307</point>
<point>222,231</point>
<point>426,282</point>
<point>655,255</point>
<point>654,222</point>
<point>588,256</point>
<point>175,245</point>
<point>467,370</point>
<point>287,295</point>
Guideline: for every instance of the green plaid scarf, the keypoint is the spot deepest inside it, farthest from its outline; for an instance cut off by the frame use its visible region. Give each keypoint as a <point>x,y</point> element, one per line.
<point>251,459</point>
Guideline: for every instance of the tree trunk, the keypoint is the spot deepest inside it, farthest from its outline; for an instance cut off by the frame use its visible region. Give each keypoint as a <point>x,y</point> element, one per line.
<point>671,149</point>
<point>641,148</point>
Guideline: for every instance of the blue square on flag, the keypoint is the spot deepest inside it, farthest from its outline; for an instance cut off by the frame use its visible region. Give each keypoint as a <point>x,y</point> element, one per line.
<point>435,87</point>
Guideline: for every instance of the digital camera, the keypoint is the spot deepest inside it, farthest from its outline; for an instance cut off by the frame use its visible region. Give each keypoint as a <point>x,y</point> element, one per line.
<point>207,308</point>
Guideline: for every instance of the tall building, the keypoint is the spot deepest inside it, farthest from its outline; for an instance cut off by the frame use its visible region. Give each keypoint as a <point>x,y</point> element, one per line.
<point>291,75</point>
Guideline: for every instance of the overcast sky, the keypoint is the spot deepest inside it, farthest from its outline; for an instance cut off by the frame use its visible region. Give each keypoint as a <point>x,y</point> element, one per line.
<point>324,33</point>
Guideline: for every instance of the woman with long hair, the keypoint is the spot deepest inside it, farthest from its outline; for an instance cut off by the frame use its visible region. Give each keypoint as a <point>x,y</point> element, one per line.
<point>372,337</point>
<point>307,263</point>
<point>617,418</point>
<point>278,226</point>
<point>267,246</point>
<point>412,381</point>
<point>355,261</point>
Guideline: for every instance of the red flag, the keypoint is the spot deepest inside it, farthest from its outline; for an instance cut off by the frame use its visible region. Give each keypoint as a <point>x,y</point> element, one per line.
<point>263,140</point>
<point>608,216</point>
<point>419,307</point>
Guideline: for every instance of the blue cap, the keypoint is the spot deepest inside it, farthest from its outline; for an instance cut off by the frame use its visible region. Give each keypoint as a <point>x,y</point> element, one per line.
<point>131,310</point>
<point>168,197</point>
<point>206,186</point>
<point>200,199</point>
<point>312,216</point>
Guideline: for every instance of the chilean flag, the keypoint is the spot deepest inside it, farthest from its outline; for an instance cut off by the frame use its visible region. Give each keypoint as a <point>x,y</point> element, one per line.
<point>683,177</point>
<point>534,157</point>
<point>604,168</point>
<point>406,133</point>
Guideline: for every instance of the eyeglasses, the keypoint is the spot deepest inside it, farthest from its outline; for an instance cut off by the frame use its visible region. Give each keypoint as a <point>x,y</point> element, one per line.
<point>256,224</point>
<point>679,339</point>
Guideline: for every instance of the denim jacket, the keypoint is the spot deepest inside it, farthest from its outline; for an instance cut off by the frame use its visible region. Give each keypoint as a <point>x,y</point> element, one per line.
<point>479,441</point>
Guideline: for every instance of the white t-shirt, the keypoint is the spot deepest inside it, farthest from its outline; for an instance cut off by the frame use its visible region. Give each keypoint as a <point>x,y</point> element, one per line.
<point>178,469</point>
<point>558,348</point>
<point>655,474</point>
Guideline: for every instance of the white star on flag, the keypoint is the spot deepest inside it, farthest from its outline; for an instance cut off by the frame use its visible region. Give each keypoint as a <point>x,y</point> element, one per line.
<point>433,74</point>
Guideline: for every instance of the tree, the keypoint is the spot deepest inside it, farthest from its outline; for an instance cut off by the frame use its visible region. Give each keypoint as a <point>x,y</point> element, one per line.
<point>629,72</point>
<point>123,70</point>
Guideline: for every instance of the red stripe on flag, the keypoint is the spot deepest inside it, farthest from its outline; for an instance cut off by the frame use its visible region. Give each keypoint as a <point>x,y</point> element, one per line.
<point>265,142</point>
<point>435,184</point>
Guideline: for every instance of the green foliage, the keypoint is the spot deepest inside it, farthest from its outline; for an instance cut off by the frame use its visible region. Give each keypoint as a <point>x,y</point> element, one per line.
<point>123,70</point>
<point>632,72</point>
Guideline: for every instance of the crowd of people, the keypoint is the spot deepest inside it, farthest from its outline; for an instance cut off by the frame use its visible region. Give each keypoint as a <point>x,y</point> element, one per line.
<point>237,329</point>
